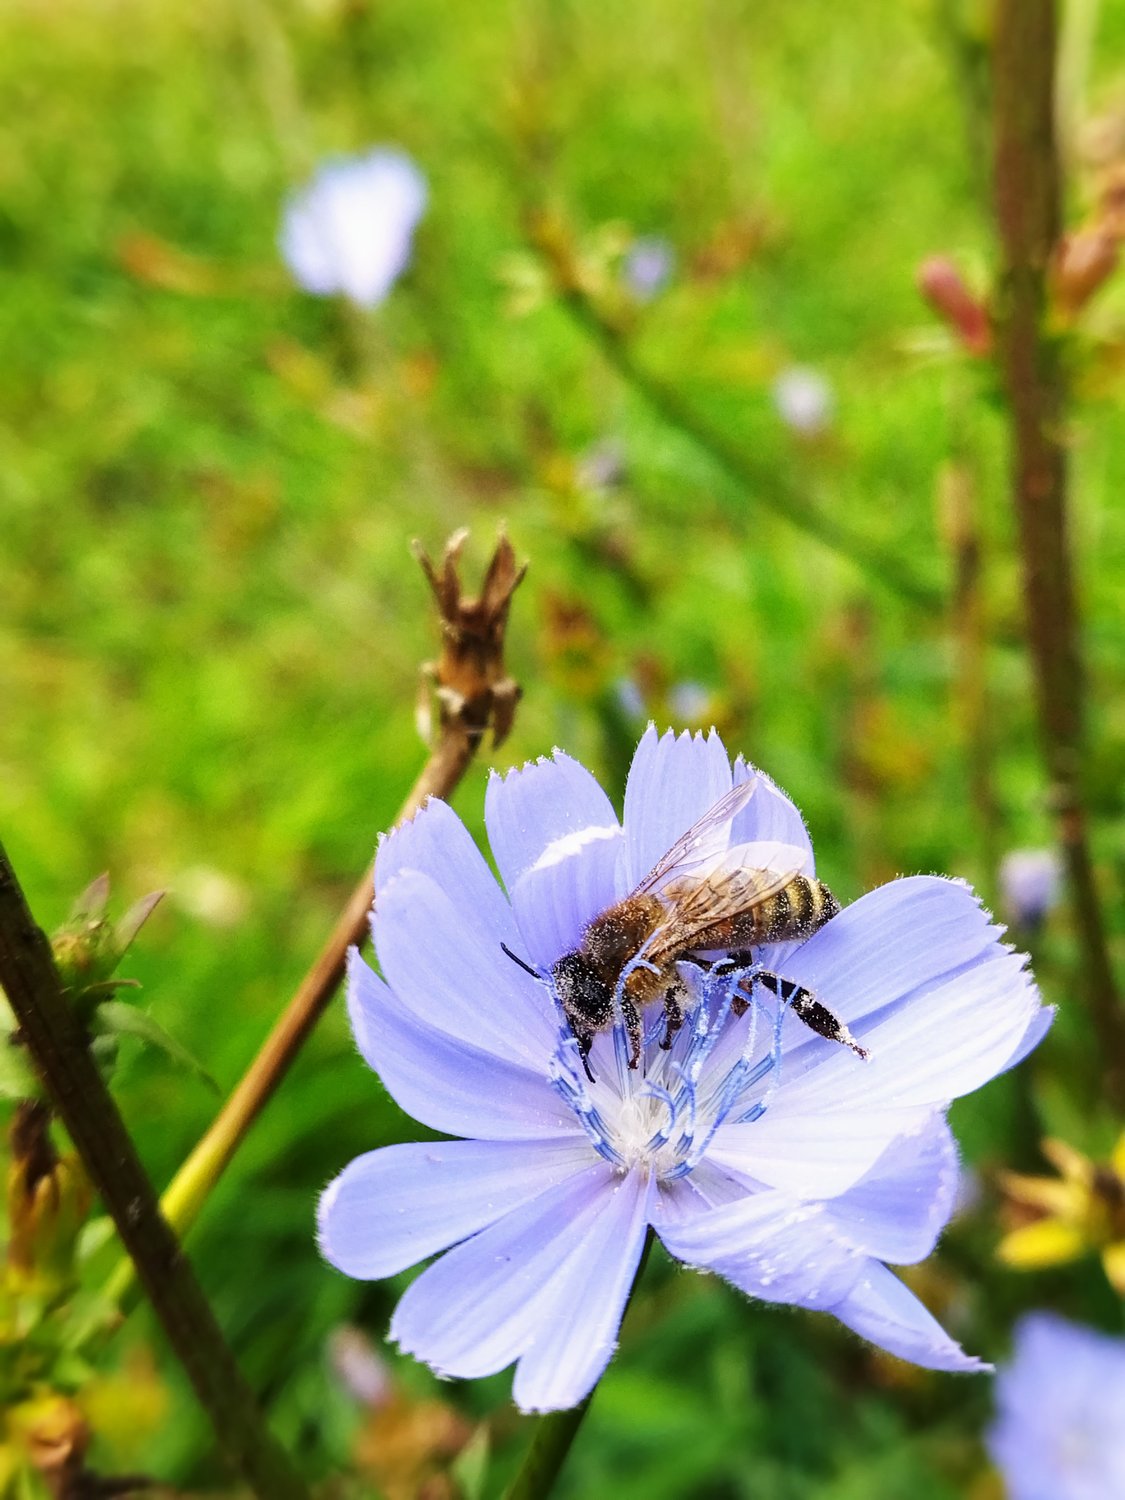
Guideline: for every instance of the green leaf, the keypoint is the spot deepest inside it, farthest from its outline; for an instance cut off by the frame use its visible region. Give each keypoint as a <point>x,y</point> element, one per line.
<point>470,1467</point>
<point>17,1077</point>
<point>114,1018</point>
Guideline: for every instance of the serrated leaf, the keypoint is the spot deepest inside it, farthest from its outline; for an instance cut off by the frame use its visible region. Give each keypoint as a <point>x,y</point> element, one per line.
<point>116,1019</point>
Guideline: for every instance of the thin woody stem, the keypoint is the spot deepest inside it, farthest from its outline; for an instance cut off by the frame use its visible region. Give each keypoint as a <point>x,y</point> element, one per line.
<point>49,1029</point>
<point>196,1178</point>
<point>1028,194</point>
<point>474,696</point>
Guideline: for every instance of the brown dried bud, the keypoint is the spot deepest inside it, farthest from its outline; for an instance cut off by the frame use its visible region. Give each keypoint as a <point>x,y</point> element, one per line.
<point>48,1199</point>
<point>472,686</point>
<point>943,287</point>
<point>52,1437</point>
<point>1082,262</point>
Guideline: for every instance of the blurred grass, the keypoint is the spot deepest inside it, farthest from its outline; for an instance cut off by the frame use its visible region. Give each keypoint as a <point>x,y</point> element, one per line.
<point>210,626</point>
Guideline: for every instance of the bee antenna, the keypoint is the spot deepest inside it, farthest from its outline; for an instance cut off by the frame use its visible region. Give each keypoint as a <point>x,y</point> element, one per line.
<point>517,960</point>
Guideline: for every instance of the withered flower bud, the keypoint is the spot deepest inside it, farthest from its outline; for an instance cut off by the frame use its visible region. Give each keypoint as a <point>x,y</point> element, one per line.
<point>1082,262</point>
<point>472,686</point>
<point>51,1436</point>
<point>48,1200</point>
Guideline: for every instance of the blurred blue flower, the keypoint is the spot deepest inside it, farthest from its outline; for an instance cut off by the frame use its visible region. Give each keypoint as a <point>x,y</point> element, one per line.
<point>629,697</point>
<point>804,400</point>
<point>1030,883</point>
<point>350,229</point>
<point>648,267</point>
<point>1060,1432</point>
<point>753,1147</point>
<point>690,702</point>
<point>603,465</point>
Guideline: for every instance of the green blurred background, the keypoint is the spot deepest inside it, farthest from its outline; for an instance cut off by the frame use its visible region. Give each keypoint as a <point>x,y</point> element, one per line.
<point>211,625</point>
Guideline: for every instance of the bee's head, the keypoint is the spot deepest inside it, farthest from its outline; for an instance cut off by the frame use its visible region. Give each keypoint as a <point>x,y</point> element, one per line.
<point>583,994</point>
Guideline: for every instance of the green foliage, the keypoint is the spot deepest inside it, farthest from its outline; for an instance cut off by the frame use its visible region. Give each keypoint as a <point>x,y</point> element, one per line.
<point>211,627</point>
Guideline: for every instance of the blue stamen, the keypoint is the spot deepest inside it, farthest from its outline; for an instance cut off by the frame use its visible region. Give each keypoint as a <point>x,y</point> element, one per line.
<point>679,1143</point>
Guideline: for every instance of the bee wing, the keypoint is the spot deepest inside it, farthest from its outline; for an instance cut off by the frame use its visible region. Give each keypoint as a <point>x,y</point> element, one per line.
<point>744,877</point>
<point>704,841</point>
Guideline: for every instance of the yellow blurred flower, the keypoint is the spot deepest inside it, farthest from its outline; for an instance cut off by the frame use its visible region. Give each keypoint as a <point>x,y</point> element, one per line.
<point>1079,1212</point>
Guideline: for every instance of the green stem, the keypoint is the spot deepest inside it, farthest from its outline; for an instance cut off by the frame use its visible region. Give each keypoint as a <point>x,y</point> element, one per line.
<point>50,1031</point>
<point>555,1432</point>
<point>768,488</point>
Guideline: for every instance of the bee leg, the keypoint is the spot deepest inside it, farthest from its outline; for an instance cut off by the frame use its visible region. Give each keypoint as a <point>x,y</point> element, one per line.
<point>585,1041</point>
<point>673,1014</point>
<point>807,1008</point>
<point>731,965</point>
<point>634,1030</point>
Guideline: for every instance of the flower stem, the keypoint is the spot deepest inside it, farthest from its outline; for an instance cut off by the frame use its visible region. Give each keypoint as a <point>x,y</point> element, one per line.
<point>50,1030</point>
<point>1028,196</point>
<point>768,487</point>
<point>474,696</point>
<point>556,1431</point>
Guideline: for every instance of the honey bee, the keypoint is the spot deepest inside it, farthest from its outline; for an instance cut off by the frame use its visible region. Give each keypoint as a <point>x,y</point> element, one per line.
<point>701,898</point>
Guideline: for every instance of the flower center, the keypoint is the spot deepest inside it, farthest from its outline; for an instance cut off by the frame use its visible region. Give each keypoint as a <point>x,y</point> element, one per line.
<point>662,1115</point>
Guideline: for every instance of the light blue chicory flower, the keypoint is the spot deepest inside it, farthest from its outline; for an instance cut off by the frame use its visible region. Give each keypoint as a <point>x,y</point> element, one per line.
<point>1060,1432</point>
<point>1030,885</point>
<point>804,400</point>
<point>753,1147</point>
<point>648,266</point>
<point>350,229</point>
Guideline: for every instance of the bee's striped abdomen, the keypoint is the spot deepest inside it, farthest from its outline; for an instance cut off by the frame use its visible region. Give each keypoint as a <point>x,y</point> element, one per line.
<point>797,911</point>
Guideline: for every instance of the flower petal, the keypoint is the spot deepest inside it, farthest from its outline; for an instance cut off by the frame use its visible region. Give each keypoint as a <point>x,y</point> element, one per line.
<point>391,1208</point>
<point>781,1251</point>
<point>477,1309</point>
<point>809,1151</point>
<point>892,943</point>
<point>770,1246</point>
<point>445,964</point>
<point>955,1033</point>
<point>1037,1029</point>
<point>880,1308</point>
<point>672,782</point>
<point>437,843</point>
<point>445,1083</point>
<point>943,1040</point>
<point>770,815</point>
<point>574,880</point>
<point>898,1210</point>
<point>537,804</point>
<point>579,1320</point>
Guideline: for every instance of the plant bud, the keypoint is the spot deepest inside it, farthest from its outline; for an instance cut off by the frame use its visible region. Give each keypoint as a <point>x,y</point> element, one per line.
<point>943,287</point>
<point>1082,262</point>
<point>48,1201</point>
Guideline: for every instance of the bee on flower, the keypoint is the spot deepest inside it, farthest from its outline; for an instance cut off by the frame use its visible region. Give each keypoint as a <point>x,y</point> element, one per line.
<point>750,1141</point>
